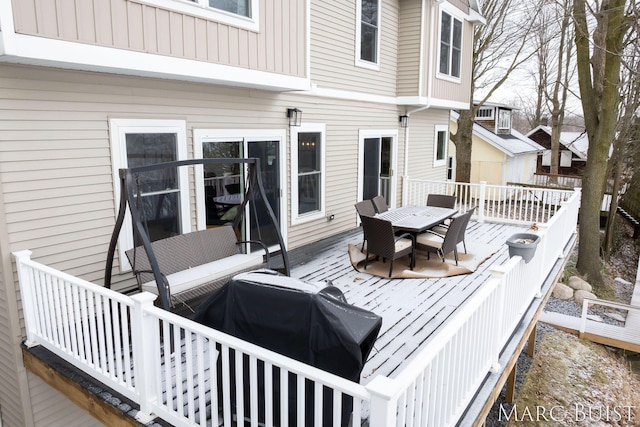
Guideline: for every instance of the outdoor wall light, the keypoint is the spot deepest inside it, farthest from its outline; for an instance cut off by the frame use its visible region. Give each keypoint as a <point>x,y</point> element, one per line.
<point>404,121</point>
<point>295,116</point>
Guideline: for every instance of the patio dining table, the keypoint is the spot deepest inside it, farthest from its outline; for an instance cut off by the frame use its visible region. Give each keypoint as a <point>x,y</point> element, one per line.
<point>417,219</point>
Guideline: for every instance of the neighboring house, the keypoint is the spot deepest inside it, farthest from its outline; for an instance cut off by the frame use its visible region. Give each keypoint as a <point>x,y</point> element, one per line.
<point>500,154</point>
<point>572,157</point>
<point>91,87</point>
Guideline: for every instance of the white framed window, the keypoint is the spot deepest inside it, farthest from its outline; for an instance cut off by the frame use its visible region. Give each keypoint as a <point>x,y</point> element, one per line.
<point>450,168</point>
<point>450,48</point>
<point>238,13</point>
<point>440,145</point>
<point>484,113</point>
<point>307,173</point>
<point>565,158</point>
<point>163,200</point>
<point>368,33</point>
<point>504,119</point>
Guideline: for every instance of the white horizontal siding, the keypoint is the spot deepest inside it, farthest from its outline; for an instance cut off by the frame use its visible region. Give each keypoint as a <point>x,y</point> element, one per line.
<point>422,140</point>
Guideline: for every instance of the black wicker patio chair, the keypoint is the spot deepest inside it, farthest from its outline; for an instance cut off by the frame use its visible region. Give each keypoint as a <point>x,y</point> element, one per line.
<point>382,241</point>
<point>431,241</point>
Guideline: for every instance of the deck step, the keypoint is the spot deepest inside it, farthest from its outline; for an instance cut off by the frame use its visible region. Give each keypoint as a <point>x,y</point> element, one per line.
<point>598,332</point>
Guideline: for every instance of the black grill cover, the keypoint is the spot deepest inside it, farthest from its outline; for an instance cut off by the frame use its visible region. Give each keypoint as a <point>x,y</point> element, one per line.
<point>309,322</point>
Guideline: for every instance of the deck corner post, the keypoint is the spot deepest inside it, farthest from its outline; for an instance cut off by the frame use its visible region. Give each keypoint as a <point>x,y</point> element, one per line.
<point>383,402</point>
<point>544,247</point>
<point>481,200</point>
<point>146,351</point>
<point>27,293</point>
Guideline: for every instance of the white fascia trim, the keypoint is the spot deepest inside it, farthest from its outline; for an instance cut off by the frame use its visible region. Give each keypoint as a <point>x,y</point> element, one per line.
<point>49,52</point>
<point>432,102</point>
<point>323,92</point>
<point>350,95</point>
<point>476,19</point>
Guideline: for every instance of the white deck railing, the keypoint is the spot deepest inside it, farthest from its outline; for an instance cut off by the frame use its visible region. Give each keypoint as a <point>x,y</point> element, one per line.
<point>164,362</point>
<point>510,203</point>
<point>179,370</point>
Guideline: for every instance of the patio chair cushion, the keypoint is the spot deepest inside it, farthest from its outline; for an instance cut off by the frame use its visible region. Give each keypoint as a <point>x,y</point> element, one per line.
<point>402,244</point>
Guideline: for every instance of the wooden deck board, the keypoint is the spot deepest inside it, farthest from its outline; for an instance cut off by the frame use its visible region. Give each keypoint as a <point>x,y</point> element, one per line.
<point>412,309</point>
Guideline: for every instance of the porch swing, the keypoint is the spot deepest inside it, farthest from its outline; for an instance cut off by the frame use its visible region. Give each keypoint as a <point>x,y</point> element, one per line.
<point>183,269</point>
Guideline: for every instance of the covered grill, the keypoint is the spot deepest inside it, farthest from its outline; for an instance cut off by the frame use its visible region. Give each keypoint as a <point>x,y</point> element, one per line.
<point>309,322</point>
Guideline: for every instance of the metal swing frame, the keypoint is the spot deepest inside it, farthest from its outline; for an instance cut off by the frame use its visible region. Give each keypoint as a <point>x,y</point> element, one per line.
<point>127,199</point>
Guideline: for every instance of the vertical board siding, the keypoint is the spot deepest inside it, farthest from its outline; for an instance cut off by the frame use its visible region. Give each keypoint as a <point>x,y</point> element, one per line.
<point>409,48</point>
<point>124,24</point>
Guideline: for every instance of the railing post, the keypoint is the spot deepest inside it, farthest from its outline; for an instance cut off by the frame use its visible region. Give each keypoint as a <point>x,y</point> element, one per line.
<point>546,244</point>
<point>383,402</point>
<point>481,200</point>
<point>145,347</point>
<point>498,272</point>
<point>27,295</point>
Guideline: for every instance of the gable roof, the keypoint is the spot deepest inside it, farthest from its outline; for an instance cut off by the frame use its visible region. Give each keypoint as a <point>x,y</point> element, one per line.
<point>512,145</point>
<point>576,142</point>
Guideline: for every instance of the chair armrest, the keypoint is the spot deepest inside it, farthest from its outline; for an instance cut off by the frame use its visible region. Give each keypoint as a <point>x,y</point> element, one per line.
<point>435,234</point>
<point>405,235</point>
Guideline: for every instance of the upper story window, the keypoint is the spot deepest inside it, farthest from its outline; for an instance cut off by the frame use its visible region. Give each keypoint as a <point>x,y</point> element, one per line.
<point>368,32</point>
<point>239,7</point>
<point>450,45</point>
<point>484,113</point>
<point>237,13</point>
<point>504,119</point>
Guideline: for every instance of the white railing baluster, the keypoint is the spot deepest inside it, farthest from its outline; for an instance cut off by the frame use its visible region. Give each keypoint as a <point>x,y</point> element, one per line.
<point>253,391</point>
<point>189,357</point>
<point>239,371</point>
<point>268,397</point>
<point>317,405</point>
<point>302,397</point>
<point>284,401</point>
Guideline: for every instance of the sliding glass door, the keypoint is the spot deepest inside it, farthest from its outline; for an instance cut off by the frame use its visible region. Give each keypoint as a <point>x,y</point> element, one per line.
<point>224,184</point>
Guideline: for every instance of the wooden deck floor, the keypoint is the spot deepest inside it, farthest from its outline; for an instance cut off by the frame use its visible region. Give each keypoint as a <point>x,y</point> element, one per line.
<point>411,309</point>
